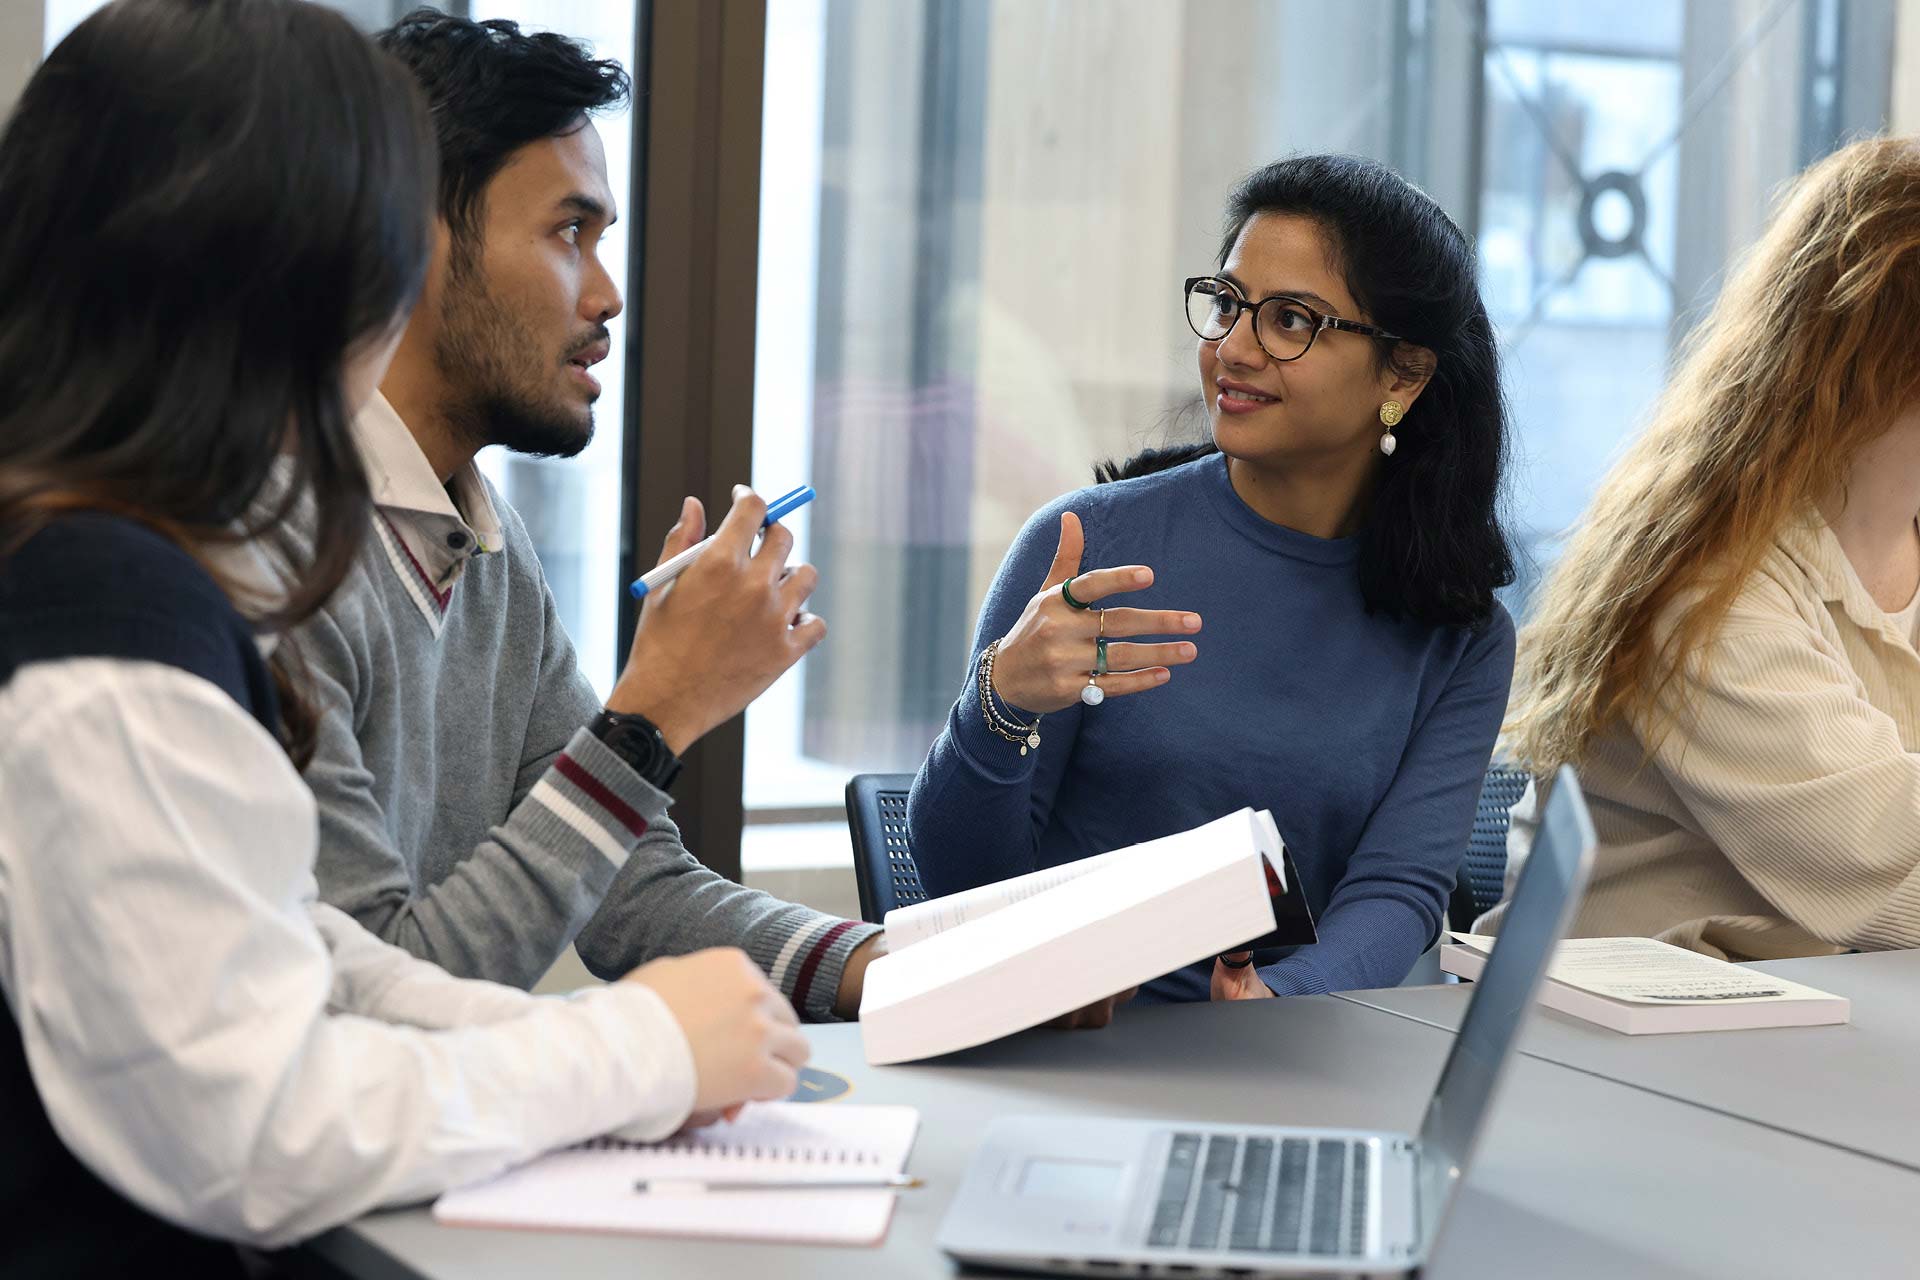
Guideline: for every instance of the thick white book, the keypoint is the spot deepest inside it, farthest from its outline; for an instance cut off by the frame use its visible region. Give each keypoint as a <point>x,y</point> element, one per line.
<point>979,965</point>
<point>593,1186</point>
<point>1642,986</point>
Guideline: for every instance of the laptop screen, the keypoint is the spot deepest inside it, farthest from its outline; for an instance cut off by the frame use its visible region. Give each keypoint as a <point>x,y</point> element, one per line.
<point>1543,903</point>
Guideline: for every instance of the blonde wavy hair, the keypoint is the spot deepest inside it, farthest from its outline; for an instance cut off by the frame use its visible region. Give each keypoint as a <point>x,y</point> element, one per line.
<point>1809,353</point>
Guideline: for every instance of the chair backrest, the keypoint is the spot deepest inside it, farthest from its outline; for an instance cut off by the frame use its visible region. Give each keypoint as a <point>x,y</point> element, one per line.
<point>884,870</point>
<point>1483,873</point>
<point>882,856</point>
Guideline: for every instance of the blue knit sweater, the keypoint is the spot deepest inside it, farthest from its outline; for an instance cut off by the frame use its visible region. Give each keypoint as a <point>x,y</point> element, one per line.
<point>1368,738</point>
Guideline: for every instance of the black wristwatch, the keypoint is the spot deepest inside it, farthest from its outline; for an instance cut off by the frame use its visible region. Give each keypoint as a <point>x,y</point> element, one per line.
<point>636,740</point>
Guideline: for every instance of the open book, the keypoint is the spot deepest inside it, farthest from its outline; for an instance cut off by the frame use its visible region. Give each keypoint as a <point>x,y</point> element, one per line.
<point>982,964</point>
<point>1642,986</point>
<point>591,1187</point>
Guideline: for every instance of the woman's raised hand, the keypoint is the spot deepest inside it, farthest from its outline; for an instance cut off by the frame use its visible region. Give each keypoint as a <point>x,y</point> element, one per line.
<point>1043,663</point>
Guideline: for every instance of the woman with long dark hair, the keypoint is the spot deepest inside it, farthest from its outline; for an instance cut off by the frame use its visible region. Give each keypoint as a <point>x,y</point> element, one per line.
<point>1338,537</point>
<point>217,219</point>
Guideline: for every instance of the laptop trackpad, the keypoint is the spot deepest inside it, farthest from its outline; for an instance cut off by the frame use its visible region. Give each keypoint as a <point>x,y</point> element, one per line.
<point>1039,1183</point>
<point>1049,1178</point>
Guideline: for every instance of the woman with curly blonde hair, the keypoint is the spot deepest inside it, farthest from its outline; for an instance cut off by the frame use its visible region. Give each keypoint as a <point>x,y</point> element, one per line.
<point>1726,652</point>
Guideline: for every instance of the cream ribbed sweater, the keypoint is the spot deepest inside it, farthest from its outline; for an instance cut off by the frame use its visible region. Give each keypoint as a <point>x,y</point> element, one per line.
<point>1779,813</point>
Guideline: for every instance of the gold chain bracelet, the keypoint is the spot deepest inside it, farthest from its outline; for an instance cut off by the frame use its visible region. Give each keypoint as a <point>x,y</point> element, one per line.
<point>1026,735</point>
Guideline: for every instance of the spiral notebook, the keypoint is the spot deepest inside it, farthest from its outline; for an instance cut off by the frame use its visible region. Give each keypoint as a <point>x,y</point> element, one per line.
<point>589,1187</point>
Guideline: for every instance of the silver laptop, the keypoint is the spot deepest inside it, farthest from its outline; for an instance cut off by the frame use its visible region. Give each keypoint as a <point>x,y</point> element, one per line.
<point>1080,1196</point>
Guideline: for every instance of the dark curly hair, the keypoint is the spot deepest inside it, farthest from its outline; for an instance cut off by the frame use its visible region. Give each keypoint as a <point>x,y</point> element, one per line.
<point>493,89</point>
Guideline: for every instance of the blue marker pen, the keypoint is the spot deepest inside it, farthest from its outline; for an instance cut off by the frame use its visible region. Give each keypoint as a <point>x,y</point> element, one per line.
<point>660,575</point>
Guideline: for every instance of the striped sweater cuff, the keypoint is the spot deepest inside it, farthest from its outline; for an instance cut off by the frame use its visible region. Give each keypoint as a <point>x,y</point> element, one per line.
<point>590,809</point>
<point>804,954</point>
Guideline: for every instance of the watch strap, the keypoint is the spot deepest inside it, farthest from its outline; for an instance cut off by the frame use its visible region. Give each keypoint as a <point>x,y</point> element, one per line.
<point>638,742</point>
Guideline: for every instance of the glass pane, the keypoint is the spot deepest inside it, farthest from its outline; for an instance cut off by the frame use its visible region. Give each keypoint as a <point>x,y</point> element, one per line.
<point>571,506</point>
<point>1640,26</point>
<point>1554,120</point>
<point>1621,174</point>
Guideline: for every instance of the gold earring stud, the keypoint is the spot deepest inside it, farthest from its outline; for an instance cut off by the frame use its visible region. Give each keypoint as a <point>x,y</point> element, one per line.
<point>1390,414</point>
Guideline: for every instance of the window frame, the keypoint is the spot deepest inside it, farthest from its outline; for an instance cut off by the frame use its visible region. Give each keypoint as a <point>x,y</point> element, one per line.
<point>688,412</point>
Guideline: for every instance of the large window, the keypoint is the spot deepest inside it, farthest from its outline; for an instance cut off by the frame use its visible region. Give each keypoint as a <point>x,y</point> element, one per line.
<point>938,174</point>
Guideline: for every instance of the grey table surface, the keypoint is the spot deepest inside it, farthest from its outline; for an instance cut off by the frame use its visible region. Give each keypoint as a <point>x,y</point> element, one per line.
<point>1577,1176</point>
<point>1855,1086</point>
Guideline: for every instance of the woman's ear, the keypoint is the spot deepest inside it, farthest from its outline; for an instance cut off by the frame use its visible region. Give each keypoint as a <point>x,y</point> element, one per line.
<point>1408,371</point>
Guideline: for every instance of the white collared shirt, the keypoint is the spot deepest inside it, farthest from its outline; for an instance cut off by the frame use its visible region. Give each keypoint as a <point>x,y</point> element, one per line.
<point>428,530</point>
<point>219,1047</point>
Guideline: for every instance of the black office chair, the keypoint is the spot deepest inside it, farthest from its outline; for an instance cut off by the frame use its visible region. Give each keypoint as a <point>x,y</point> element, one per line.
<point>1483,873</point>
<point>882,857</point>
<point>885,873</point>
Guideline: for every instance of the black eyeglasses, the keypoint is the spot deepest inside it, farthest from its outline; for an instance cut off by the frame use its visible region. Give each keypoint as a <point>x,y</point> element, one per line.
<point>1284,327</point>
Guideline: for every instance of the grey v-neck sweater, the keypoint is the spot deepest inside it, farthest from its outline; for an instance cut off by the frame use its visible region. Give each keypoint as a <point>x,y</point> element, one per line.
<point>466,814</point>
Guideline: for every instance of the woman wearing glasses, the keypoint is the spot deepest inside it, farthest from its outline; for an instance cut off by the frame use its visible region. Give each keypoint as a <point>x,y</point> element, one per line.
<point>1726,651</point>
<point>1296,615</point>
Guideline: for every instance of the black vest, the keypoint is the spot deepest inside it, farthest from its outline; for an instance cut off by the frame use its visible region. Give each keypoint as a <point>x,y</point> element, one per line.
<point>96,586</point>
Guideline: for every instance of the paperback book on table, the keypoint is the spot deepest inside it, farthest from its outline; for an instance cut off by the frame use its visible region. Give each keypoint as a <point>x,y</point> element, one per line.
<point>975,966</point>
<point>1642,986</point>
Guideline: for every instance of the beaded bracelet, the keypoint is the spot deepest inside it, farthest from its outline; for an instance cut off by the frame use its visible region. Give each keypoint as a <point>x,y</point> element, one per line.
<point>1026,735</point>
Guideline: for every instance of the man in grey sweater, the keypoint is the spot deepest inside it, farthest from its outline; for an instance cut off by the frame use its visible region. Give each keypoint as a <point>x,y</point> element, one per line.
<point>478,805</point>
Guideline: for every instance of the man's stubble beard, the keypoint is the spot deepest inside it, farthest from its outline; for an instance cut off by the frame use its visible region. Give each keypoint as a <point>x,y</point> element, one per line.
<point>485,357</point>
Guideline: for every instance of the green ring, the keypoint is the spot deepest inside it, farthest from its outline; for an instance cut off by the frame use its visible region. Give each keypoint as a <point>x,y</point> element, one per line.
<point>1068,596</point>
<point>1100,657</point>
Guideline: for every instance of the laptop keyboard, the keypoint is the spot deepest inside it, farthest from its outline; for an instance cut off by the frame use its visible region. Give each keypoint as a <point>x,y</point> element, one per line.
<point>1268,1195</point>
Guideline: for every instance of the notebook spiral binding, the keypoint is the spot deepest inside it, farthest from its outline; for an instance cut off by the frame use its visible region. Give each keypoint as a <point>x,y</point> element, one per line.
<point>734,1151</point>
